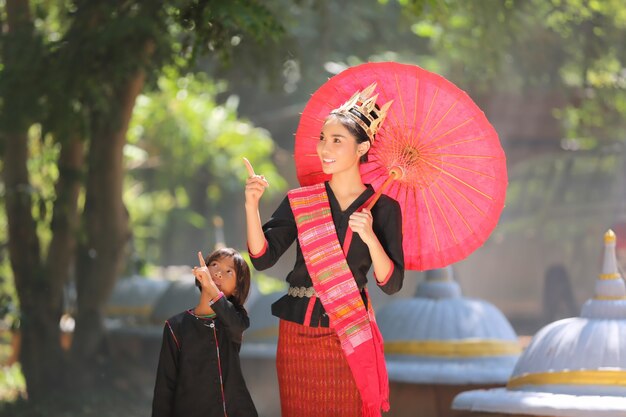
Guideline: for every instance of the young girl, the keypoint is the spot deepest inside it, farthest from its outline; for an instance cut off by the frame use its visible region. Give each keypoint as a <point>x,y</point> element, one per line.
<point>329,358</point>
<point>199,373</point>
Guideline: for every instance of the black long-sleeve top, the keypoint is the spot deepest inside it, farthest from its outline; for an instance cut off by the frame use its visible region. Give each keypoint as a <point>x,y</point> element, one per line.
<point>199,356</point>
<point>281,231</point>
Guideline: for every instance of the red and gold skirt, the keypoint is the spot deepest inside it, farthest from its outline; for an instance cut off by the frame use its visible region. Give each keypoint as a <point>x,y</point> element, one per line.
<point>313,375</point>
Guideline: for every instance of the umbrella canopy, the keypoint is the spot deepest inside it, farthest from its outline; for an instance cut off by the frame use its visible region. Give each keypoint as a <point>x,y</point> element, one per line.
<point>454,170</point>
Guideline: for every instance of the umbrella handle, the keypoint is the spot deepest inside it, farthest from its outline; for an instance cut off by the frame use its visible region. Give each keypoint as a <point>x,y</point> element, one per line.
<point>395,173</point>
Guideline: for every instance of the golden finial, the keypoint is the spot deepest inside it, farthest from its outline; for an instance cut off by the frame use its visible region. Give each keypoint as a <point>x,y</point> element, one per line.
<point>362,108</point>
<point>609,236</point>
<point>609,268</point>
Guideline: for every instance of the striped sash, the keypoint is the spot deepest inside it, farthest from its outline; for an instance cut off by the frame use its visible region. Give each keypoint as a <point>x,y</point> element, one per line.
<point>335,285</point>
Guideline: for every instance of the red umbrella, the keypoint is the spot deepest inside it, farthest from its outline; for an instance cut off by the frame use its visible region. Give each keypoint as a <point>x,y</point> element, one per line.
<point>454,182</point>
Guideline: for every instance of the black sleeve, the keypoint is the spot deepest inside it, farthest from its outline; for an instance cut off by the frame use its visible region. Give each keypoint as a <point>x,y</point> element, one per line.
<point>280,232</point>
<point>389,232</point>
<point>234,319</point>
<point>166,378</point>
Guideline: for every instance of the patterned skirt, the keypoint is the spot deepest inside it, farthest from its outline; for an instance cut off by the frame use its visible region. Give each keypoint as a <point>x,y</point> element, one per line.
<point>313,375</point>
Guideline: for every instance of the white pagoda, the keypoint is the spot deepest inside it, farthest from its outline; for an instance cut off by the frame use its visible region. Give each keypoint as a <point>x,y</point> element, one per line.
<point>572,367</point>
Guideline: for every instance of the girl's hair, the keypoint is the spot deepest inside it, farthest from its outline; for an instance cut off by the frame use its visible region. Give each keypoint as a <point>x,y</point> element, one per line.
<point>354,129</point>
<point>242,272</point>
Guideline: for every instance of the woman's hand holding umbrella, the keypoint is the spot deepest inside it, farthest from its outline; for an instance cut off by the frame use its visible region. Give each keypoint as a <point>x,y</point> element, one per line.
<point>361,223</point>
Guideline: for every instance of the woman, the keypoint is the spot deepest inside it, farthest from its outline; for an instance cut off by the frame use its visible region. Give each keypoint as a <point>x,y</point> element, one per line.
<point>329,357</point>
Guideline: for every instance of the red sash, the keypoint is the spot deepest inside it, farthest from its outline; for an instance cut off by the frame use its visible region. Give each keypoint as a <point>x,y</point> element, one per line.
<point>334,284</point>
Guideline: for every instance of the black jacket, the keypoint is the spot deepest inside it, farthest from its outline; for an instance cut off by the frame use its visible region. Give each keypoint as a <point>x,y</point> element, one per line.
<point>198,357</point>
<point>281,231</point>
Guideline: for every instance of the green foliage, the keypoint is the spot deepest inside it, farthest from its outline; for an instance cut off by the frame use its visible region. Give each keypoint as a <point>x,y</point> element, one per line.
<point>224,24</point>
<point>417,7</point>
<point>65,68</point>
<point>62,69</point>
<point>12,384</point>
<point>322,38</point>
<point>185,158</point>
<point>569,47</point>
<point>43,173</point>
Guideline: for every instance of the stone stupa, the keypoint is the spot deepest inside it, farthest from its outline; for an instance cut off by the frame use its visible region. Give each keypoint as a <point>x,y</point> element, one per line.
<point>440,343</point>
<point>572,367</point>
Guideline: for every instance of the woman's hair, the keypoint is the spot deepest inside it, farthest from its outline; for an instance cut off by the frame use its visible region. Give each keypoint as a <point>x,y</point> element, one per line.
<point>242,272</point>
<point>354,129</point>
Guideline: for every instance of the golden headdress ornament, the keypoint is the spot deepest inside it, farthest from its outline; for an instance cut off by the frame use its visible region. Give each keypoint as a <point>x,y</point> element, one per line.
<point>363,110</point>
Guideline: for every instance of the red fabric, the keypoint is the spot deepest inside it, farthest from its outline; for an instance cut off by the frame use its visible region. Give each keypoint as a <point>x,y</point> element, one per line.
<point>309,311</point>
<point>337,290</point>
<point>455,178</point>
<point>313,375</point>
<point>258,255</point>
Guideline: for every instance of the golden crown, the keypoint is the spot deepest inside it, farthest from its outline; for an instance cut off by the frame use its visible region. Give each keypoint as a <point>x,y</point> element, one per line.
<point>363,110</point>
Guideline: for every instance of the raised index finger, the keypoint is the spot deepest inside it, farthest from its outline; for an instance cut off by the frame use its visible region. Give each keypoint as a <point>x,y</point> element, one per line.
<point>249,167</point>
<point>201,259</point>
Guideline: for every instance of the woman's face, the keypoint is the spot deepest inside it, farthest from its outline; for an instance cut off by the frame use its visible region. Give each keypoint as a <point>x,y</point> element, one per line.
<point>337,148</point>
<point>224,274</point>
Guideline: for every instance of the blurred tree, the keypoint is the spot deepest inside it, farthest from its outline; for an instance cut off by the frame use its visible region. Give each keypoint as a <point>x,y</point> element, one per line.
<point>185,156</point>
<point>573,48</point>
<point>322,38</point>
<point>75,68</point>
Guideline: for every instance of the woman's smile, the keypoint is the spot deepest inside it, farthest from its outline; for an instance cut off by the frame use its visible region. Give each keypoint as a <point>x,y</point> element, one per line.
<point>337,148</point>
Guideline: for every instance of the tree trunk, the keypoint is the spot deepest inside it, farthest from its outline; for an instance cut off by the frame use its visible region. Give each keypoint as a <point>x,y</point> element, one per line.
<point>101,254</point>
<point>40,353</point>
<point>64,226</point>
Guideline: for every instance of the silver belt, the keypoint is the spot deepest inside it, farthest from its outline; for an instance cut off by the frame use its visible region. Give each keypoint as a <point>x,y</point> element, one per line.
<point>301,292</point>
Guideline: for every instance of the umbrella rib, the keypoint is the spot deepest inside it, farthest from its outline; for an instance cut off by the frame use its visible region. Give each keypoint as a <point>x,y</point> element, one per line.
<point>432,101</point>
<point>339,88</point>
<point>436,138</point>
<point>392,117</point>
<point>467,199</point>
<point>367,171</point>
<point>443,118</point>
<point>482,174</point>
<point>388,130</point>
<point>417,89</point>
<point>455,209</point>
<point>418,169</point>
<point>456,155</point>
<point>443,215</point>
<point>443,171</point>
<point>458,143</point>
<point>417,223</point>
<point>400,97</point>
<point>430,217</point>
<point>369,168</point>
<point>467,185</point>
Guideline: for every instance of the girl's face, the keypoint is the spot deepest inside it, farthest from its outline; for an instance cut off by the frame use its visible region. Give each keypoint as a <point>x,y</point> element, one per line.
<point>223,273</point>
<point>337,148</point>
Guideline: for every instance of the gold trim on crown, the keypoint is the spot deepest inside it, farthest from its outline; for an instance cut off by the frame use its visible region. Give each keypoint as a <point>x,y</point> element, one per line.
<point>369,116</point>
